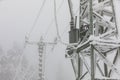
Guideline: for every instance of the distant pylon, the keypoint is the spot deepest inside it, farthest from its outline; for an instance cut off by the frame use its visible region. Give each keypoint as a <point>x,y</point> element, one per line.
<point>41,50</point>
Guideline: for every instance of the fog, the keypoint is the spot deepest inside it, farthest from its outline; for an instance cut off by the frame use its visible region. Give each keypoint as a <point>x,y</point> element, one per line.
<point>16,21</point>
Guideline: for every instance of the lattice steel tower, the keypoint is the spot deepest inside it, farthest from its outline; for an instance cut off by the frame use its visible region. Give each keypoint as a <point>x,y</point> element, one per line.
<point>94,46</point>
<point>41,50</point>
<point>42,55</point>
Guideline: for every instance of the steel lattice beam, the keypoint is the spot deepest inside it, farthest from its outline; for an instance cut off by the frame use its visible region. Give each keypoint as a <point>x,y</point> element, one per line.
<point>98,34</point>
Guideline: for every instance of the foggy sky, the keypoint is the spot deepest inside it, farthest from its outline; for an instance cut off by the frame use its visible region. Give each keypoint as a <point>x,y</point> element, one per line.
<point>16,20</point>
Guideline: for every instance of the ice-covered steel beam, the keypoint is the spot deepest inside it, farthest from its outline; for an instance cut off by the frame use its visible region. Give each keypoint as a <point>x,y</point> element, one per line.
<point>96,7</point>
<point>107,12</point>
<point>85,63</point>
<point>116,5</point>
<point>107,34</point>
<point>106,61</point>
<point>110,24</point>
<point>83,46</point>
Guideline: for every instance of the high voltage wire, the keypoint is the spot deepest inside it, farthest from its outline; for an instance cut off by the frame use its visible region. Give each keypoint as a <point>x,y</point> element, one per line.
<point>56,22</point>
<point>55,19</point>
<point>33,26</point>
<point>21,57</point>
<point>28,36</point>
<point>36,19</point>
<point>50,25</point>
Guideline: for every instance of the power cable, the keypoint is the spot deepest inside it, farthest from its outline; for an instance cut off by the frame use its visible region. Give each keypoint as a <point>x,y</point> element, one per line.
<point>56,22</point>
<point>50,25</point>
<point>27,37</point>
<point>36,19</point>
<point>55,19</point>
<point>21,57</point>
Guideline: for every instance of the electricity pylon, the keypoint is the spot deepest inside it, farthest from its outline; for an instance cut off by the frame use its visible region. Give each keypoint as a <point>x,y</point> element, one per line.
<point>94,46</point>
<point>41,49</point>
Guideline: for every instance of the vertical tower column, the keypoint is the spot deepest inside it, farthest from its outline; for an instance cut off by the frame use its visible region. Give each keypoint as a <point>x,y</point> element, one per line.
<point>91,32</point>
<point>41,61</point>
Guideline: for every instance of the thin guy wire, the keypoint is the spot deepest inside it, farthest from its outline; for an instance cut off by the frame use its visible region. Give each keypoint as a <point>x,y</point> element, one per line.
<point>50,25</point>
<point>56,22</point>
<point>36,19</point>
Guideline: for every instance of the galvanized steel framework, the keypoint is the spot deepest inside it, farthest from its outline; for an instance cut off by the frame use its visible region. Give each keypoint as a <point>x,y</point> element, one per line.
<point>97,39</point>
<point>41,50</point>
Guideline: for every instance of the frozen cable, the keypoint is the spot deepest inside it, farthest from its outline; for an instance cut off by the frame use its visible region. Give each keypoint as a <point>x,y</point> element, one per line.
<point>53,18</point>
<point>36,19</point>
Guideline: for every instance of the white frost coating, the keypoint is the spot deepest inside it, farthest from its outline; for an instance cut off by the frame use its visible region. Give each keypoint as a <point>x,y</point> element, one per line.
<point>117,13</point>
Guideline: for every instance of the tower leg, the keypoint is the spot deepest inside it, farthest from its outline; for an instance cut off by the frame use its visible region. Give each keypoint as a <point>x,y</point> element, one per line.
<point>92,63</point>
<point>79,67</point>
<point>105,68</point>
